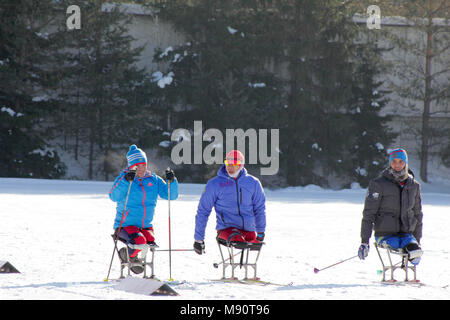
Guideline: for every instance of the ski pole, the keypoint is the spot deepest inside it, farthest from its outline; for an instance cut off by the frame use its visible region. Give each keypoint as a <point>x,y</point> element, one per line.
<point>216,265</point>
<point>175,250</point>
<point>120,227</point>
<point>317,270</point>
<point>170,242</point>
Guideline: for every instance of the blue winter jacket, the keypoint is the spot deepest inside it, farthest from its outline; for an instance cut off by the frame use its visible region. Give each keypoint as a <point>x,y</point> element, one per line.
<point>239,203</point>
<point>142,199</point>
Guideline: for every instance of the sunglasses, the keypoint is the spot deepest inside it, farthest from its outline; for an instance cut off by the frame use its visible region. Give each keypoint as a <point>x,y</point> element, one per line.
<point>234,163</point>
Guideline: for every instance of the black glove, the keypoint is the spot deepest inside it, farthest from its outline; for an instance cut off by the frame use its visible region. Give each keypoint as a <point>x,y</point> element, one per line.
<point>260,236</point>
<point>199,246</point>
<point>363,251</point>
<point>130,175</point>
<point>170,175</point>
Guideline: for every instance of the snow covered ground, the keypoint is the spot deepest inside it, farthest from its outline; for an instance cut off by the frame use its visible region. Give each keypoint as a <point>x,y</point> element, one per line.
<point>57,234</point>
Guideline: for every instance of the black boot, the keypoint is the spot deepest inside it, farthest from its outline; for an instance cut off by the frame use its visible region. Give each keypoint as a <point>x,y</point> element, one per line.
<point>414,252</point>
<point>137,269</point>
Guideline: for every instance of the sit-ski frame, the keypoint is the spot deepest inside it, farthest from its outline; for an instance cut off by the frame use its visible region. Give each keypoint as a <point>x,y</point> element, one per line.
<point>244,258</point>
<point>142,261</point>
<point>402,264</point>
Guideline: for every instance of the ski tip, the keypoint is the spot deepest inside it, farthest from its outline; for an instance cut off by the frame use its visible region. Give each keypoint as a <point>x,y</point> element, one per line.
<point>316,270</point>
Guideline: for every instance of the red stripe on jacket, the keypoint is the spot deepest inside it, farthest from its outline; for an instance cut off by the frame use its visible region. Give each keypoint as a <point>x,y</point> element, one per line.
<point>112,189</point>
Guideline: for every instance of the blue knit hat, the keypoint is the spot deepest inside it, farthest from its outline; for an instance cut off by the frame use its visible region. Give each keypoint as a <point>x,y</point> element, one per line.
<point>398,154</point>
<point>135,156</point>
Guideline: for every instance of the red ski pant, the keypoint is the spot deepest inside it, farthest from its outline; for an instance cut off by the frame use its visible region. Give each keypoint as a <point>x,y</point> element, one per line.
<point>235,234</point>
<point>138,236</point>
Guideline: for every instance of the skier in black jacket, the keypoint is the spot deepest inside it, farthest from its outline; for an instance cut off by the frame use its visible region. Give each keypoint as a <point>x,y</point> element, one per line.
<point>393,209</point>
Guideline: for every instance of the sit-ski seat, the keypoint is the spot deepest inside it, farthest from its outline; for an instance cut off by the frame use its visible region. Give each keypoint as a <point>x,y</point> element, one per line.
<point>137,264</point>
<point>246,248</point>
<point>402,264</point>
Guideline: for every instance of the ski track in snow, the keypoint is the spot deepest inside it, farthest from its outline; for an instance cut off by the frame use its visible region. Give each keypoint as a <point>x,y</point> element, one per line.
<point>57,234</point>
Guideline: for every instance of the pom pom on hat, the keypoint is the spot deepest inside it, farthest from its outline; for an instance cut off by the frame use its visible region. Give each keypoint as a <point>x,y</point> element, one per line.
<point>135,156</point>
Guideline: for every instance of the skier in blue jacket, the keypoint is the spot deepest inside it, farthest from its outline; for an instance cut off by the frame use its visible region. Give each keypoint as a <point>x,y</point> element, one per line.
<point>239,201</point>
<point>135,223</point>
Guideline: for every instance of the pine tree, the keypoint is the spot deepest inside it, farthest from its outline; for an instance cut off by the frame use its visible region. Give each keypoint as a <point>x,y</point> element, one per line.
<point>218,75</point>
<point>26,81</point>
<point>307,56</point>
<point>106,96</point>
<point>370,132</point>
<point>421,69</point>
<point>324,110</point>
<point>427,74</point>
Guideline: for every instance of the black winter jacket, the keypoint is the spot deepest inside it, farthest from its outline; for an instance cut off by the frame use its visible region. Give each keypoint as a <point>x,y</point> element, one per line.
<point>390,209</point>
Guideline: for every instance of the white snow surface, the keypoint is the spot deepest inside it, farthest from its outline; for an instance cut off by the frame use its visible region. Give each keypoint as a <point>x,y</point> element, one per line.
<point>57,234</point>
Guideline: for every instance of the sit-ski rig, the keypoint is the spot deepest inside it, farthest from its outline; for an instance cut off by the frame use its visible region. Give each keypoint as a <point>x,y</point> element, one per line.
<point>243,262</point>
<point>138,264</point>
<point>403,264</point>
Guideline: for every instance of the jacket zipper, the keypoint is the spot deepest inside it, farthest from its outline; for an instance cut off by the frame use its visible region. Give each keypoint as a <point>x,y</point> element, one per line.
<point>237,200</point>
<point>401,204</point>
<point>402,188</point>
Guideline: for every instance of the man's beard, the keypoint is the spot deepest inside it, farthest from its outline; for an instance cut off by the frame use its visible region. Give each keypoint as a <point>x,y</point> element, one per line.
<point>234,175</point>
